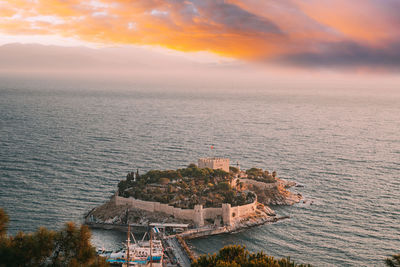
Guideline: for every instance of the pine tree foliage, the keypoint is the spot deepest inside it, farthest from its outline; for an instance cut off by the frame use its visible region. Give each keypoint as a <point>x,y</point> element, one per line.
<point>393,261</point>
<point>238,256</point>
<point>68,247</point>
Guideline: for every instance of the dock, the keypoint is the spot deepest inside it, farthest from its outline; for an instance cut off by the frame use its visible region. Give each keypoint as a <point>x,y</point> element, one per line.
<point>139,228</point>
<point>173,236</point>
<point>176,251</point>
<point>174,248</point>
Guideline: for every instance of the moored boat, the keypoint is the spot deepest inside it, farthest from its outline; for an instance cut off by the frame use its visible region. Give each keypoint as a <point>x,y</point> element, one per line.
<point>142,253</point>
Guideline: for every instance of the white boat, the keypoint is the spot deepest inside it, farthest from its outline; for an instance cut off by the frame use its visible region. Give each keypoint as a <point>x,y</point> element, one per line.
<point>142,253</point>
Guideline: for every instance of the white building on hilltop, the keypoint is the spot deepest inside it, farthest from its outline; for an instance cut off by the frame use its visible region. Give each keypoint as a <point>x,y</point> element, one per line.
<point>214,163</point>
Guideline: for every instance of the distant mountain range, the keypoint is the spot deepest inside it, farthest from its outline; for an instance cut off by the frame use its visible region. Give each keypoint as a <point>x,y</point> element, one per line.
<point>35,57</point>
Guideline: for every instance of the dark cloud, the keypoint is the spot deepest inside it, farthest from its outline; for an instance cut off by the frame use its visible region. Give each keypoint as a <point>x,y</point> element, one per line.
<point>217,14</point>
<point>346,54</point>
<point>390,8</point>
<point>234,18</point>
<point>309,33</point>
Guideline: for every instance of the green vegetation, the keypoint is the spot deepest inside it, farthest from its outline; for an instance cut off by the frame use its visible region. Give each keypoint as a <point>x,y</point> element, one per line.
<point>185,188</point>
<point>233,170</point>
<point>71,247</point>
<point>3,223</point>
<point>260,175</point>
<point>393,261</point>
<point>68,247</point>
<point>235,256</point>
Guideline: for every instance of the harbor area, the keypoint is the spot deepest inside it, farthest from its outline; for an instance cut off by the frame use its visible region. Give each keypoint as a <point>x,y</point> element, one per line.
<point>202,200</point>
<point>156,248</point>
<point>172,239</point>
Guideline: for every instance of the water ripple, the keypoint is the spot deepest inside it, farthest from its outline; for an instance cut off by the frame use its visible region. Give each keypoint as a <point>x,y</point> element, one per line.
<point>62,152</point>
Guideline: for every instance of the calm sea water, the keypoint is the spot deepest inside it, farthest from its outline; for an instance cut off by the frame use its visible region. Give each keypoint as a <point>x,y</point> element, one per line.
<point>65,145</point>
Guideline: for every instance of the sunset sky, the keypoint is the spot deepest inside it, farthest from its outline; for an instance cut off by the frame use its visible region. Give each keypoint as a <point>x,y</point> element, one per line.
<point>338,34</point>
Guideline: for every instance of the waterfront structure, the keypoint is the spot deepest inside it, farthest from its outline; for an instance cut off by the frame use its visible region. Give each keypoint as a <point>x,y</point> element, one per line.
<point>137,254</point>
<point>226,214</point>
<point>214,163</point>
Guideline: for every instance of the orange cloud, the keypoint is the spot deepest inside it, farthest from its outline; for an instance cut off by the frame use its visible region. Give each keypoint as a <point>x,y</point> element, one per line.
<point>358,20</point>
<point>247,29</point>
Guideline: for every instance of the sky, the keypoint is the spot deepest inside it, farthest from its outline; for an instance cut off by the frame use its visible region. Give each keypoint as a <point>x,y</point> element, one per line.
<point>340,35</point>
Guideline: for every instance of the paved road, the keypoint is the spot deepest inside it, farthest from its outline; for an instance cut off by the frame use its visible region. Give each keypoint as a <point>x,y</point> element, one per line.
<point>180,254</point>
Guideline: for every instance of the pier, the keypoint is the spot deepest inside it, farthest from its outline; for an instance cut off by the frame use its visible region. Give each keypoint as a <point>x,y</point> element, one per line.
<point>139,228</point>
<point>173,236</point>
<point>176,252</point>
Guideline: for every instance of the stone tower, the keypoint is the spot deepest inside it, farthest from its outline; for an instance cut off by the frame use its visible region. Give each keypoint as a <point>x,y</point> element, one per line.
<point>226,214</point>
<point>198,215</point>
<point>214,163</point>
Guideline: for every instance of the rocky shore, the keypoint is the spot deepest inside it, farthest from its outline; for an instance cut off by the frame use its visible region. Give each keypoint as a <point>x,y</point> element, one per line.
<point>268,194</point>
<point>202,199</point>
<point>276,193</point>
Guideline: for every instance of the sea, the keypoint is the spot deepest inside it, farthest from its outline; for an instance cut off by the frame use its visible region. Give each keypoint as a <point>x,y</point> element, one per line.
<point>65,145</point>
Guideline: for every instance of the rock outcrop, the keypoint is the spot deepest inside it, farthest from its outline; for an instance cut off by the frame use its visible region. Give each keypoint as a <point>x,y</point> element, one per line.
<point>273,193</point>
<point>267,194</point>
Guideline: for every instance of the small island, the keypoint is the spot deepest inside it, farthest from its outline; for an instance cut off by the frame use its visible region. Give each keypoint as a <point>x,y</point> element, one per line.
<point>210,197</point>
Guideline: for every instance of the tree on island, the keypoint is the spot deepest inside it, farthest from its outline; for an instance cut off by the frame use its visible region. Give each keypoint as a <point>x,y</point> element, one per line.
<point>235,256</point>
<point>233,170</point>
<point>261,175</point>
<point>68,247</point>
<point>199,186</point>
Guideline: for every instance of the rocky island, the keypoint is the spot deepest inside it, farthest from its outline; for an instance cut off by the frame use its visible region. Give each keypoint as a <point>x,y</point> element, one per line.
<point>211,196</point>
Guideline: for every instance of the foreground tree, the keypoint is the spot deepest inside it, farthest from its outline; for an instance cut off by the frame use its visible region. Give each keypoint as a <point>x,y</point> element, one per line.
<point>393,261</point>
<point>68,247</point>
<point>3,223</point>
<point>238,256</point>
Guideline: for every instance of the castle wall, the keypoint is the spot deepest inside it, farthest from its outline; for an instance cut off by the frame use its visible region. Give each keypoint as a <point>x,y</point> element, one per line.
<point>212,213</point>
<point>197,215</point>
<point>231,214</point>
<point>246,209</point>
<point>242,211</point>
<point>186,214</point>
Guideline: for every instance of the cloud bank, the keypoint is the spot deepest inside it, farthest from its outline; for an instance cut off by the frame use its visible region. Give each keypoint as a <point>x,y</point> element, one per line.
<point>306,33</point>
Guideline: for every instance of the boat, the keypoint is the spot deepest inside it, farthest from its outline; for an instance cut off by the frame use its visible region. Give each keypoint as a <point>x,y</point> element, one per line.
<point>137,254</point>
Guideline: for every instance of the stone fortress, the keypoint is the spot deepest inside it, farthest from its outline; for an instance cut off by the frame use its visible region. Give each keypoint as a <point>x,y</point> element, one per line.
<point>225,215</point>
<point>198,215</point>
<point>214,163</point>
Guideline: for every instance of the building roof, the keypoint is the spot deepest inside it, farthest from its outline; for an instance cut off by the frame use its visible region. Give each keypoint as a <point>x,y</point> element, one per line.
<point>177,225</point>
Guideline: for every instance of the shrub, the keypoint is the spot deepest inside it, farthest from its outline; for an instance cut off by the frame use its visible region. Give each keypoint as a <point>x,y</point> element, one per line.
<point>68,247</point>
<point>164,181</point>
<point>239,256</point>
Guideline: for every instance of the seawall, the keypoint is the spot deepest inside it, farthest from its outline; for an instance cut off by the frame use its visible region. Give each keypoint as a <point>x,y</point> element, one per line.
<point>227,213</point>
